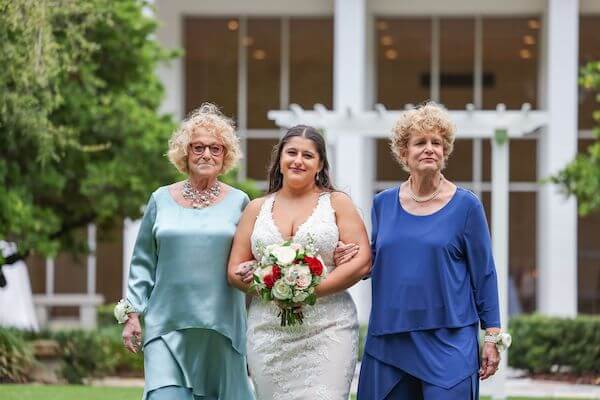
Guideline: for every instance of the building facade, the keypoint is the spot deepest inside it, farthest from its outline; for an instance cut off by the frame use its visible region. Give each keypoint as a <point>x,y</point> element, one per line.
<point>251,57</point>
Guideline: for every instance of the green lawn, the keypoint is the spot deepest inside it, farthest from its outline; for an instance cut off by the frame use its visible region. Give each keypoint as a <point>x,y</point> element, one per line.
<point>71,392</point>
<point>75,392</point>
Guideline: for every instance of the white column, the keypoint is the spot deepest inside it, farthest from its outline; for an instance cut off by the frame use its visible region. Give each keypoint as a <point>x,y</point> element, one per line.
<point>354,154</point>
<point>91,259</point>
<point>130,232</point>
<point>500,216</point>
<point>169,34</point>
<point>557,215</point>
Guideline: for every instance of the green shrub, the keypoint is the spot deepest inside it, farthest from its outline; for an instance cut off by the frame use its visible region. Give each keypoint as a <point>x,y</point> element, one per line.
<point>126,363</point>
<point>106,316</point>
<point>545,344</point>
<point>86,354</point>
<point>15,357</point>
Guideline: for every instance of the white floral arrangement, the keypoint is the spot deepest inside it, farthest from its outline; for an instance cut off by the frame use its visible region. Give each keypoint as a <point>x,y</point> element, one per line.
<point>502,340</point>
<point>287,274</point>
<point>122,310</point>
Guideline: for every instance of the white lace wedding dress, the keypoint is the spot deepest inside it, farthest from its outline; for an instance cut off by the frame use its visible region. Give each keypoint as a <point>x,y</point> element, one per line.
<point>315,360</point>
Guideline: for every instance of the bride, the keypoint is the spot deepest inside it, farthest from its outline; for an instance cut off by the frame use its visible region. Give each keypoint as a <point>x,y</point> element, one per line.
<point>315,360</point>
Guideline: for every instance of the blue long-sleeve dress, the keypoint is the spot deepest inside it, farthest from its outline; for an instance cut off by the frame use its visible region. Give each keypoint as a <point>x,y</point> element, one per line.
<point>194,322</point>
<point>434,282</point>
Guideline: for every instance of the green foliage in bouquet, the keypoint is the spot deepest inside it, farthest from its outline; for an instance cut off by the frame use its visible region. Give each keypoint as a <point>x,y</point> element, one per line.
<point>544,344</point>
<point>581,177</point>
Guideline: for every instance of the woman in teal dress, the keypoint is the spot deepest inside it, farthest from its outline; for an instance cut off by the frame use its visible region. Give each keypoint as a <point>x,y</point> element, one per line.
<point>194,339</point>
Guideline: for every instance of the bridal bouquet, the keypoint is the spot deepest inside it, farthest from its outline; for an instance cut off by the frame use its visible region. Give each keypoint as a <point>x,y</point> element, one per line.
<point>288,273</point>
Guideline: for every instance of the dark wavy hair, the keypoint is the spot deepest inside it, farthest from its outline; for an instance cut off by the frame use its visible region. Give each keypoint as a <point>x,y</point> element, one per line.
<point>322,180</point>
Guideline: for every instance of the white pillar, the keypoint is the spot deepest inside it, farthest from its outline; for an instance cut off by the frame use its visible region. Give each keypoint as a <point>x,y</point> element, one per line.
<point>130,232</point>
<point>557,215</point>
<point>500,216</point>
<point>169,34</point>
<point>354,154</point>
<point>91,259</point>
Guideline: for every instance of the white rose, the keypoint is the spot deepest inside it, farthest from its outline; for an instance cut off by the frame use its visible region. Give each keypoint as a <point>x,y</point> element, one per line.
<point>281,291</point>
<point>296,246</point>
<point>285,255</point>
<point>299,297</point>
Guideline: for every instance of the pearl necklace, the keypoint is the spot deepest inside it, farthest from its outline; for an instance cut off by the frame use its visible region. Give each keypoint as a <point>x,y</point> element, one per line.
<point>425,199</point>
<point>201,198</point>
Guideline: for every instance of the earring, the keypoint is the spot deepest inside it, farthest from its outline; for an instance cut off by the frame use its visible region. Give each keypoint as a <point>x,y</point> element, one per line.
<point>317,178</point>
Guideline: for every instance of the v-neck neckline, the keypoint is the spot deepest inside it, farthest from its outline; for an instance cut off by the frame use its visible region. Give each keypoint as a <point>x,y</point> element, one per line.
<point>293,237</point>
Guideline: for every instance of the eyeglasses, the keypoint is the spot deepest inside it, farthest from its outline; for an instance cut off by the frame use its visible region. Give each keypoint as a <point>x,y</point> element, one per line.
<point>215,149</point>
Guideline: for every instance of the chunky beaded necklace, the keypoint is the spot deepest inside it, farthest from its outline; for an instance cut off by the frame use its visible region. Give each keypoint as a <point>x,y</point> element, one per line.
<point>424,199</point>
<point>201,198</point>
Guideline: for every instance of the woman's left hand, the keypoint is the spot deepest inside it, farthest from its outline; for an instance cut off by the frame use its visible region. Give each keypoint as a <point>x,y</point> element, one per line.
<point>490,359</point>
<point>344,252</point>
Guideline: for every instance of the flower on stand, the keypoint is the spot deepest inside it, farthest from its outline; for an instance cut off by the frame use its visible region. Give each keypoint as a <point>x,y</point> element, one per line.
<point>287,274</point>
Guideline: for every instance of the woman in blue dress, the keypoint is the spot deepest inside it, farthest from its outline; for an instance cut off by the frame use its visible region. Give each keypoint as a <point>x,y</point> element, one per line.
<point>433,277</point>
<point>194,323</point>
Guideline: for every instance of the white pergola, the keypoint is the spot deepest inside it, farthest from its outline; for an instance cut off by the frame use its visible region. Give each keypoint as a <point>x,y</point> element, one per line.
<point>500,126</point>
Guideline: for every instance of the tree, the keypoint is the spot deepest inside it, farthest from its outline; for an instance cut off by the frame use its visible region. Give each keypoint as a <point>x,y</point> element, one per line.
<point>83,140</point>
<point>581,177</point>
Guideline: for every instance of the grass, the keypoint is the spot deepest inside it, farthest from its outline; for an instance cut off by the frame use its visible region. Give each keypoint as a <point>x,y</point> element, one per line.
<point>70,392</point>
<point>76,392</point>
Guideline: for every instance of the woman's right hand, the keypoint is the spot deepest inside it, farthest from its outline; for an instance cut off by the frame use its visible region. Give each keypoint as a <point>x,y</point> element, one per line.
<point>246,271</point>
<point>132,333</point>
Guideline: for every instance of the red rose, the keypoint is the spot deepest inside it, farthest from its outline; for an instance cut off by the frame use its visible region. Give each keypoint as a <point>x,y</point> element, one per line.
<point>276,273</point>
<point>315,266</point>
<point>269,280</point>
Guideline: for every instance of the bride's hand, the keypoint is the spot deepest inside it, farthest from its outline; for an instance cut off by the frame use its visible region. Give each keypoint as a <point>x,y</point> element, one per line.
<point>245,271</point>
<point>344,252</point>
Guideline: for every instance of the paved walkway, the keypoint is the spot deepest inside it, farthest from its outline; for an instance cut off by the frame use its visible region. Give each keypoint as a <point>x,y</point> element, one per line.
<point>515,386</point>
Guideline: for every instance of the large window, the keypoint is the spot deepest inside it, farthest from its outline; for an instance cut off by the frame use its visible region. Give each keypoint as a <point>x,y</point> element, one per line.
<point>403,61</point>
<point>311,62</point>
<point>457,48</point>
<point>263,44</point>
<point>211,63</point>
<point>510,61</point>
<point>249,66</point>
<point>589,50</point>
<point>588,253</point>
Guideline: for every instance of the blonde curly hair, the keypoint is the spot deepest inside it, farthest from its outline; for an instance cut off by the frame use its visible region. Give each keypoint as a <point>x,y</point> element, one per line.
<point>428,117</point>
<point>209,117</point>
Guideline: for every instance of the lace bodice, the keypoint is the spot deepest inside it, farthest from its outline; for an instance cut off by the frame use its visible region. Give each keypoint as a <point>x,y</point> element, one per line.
<point>320,226</point>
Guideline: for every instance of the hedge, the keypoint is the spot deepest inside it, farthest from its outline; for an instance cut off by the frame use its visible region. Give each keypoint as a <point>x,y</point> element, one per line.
<point>548,344</point>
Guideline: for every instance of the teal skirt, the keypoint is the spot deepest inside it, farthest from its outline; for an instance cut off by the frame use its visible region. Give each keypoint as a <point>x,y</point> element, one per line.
<point>201,360</point>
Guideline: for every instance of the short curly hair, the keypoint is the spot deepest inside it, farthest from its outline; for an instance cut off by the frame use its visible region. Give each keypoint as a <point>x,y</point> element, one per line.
<point>209,117</point>
<point>428,117</point>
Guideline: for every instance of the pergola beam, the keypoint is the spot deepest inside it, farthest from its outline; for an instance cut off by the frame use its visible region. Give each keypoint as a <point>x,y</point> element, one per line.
<point>377,123</point>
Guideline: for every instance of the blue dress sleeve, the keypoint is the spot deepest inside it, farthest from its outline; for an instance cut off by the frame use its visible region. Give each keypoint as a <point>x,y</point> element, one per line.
<point>374,231</point>
<point>142,270</point>
<point>482,270</point>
